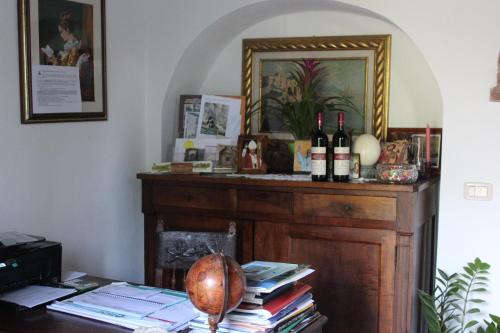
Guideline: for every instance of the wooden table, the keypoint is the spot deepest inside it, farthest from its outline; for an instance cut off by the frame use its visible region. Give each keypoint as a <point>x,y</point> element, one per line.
<point>41,320</point>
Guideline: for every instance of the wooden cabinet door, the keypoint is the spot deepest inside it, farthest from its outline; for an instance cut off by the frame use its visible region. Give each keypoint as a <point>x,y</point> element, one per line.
<point>354,282</point>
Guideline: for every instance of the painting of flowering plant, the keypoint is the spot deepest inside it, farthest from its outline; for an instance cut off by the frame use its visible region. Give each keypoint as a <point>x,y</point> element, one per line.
<point>283,77</point>
<point>294,90</point>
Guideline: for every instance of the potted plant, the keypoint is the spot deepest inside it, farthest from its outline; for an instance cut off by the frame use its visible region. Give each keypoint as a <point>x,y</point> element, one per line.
<point>298,111</point>
<point>456,298</point>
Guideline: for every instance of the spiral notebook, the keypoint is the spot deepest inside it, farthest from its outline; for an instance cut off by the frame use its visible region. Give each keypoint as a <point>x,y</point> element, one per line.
<point>129,300</point>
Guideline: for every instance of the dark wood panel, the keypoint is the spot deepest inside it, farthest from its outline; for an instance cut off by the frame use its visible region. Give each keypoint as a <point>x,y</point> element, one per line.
<point>354,282</point>
<point>280,203</point>
<point>194,197</point>
<point>349,206</point>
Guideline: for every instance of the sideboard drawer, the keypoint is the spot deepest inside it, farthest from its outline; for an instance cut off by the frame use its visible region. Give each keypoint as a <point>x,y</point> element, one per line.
<point>279,203</point>
<point>350,206</point>
<point>193,197</point>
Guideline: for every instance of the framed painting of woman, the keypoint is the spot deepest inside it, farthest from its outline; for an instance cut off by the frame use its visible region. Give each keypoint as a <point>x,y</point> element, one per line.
<point>62,60</point>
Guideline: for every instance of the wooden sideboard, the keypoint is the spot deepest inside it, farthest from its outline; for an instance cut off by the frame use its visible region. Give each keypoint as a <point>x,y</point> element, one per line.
<point>372,245</point>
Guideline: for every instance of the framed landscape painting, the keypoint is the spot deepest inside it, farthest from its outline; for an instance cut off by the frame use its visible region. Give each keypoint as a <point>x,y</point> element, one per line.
<point>62,60</point>
<point>354,67</point>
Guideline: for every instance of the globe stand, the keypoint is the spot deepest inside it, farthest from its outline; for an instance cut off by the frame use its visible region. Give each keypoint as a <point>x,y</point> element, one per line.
<point>214,320</point>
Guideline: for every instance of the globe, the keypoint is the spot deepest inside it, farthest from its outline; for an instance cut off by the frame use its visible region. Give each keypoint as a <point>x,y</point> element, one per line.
<point>368,148</point>
<point>211,280</point>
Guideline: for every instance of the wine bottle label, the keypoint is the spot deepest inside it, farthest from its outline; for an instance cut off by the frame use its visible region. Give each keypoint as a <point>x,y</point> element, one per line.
<point>341,161</point>
<point>318,161</point>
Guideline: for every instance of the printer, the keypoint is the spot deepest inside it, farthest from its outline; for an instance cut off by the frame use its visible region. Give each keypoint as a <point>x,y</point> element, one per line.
<point>28,259</point>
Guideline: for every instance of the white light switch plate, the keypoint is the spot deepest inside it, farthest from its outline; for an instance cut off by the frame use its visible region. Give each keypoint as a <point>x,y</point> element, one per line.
<point>478,191</point>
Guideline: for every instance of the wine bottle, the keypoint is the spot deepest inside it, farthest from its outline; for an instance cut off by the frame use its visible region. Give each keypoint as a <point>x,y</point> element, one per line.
<point>341,152</point>
<point>319,144</point>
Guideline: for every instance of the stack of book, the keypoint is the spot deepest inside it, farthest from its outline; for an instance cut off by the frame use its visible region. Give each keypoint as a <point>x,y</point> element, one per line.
<point>131,306</point>
<point>275,301</point>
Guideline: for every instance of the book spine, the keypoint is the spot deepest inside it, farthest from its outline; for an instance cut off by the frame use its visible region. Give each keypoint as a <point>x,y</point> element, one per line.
<point>280,302</point>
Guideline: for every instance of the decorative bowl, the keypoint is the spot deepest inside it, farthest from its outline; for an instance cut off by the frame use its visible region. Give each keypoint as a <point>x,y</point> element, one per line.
<point>397,173</point>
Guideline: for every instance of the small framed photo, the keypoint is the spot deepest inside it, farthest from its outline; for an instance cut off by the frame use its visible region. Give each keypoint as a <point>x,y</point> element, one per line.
<point>227,157</point>
<point>189,112</point>
<point>302,156</point>
<point>251,149</point>
<point>194,154</point>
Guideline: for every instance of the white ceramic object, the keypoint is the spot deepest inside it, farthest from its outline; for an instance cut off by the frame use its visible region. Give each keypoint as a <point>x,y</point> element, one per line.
<point>368,147</point>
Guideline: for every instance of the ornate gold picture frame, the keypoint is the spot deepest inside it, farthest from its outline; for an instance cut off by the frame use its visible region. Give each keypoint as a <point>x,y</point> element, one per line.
<point>374,50</point>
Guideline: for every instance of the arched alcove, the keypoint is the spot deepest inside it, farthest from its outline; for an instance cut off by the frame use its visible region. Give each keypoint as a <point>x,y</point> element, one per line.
<point>212,61</point>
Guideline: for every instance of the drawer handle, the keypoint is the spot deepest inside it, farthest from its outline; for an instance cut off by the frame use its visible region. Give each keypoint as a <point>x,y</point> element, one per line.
<point>189,197</point>
<point>347,208</point>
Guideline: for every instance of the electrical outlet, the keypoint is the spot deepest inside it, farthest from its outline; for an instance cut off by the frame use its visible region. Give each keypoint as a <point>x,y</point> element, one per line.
<point>478,191</point>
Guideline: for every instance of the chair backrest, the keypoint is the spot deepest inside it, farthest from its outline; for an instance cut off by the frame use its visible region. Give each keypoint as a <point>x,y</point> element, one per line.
<point>178,250</point>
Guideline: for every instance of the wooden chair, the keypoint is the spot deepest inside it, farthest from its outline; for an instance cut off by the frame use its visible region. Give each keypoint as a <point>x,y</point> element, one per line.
<point>178,250</point>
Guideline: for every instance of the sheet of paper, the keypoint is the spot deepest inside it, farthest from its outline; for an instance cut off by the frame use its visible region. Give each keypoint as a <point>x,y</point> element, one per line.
<point>31,296</point>
<point>71,275</point>
<point>128,306</point>
<point>178,313</point>
<point>56,89</point>
<point>219,117</point>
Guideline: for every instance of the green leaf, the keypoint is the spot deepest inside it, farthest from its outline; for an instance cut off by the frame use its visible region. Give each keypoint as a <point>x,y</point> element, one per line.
<point>496,319</point>
<point>443,274</point>
<point>473,310</point>
<point>469,271</point>
<point>479,290</point>
<point>440,280</point>
<point>458,307</point>
<point>471,323</point>
<point>491,328</point>
<point>484,266</point>
<point>476,300</point>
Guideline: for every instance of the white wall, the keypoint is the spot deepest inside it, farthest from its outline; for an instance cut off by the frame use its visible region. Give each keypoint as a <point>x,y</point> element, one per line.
<point>457,39</point>
<point>75,182</point>
<point>414,98</point>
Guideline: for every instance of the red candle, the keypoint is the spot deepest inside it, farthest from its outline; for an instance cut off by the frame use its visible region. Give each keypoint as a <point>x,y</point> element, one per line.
<point>428,144</point>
